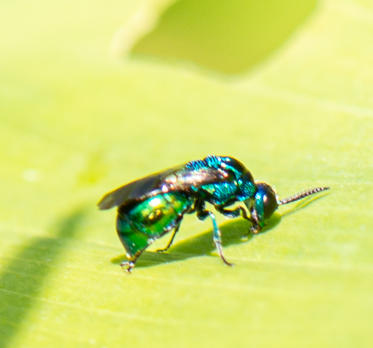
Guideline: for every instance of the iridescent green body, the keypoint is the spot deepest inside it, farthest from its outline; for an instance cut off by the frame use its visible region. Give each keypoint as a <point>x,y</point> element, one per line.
<point>152,206</point>
<point>139,225</point>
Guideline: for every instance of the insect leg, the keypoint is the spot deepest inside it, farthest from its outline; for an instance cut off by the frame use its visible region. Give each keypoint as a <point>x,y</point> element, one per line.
<point>129,264</point>
<point>171,240</point>
<point>255,228</point>
<point>216,233</point>
<point>234,213</point>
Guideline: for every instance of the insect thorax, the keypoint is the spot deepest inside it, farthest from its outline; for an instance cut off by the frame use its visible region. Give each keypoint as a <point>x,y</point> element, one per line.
<point>238,186</point>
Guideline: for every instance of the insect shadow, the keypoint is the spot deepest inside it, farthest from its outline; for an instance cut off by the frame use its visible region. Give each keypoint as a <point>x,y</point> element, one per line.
<point>233,232</point>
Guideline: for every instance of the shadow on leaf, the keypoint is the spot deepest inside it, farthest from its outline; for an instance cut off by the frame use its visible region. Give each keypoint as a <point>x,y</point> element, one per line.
<point>233,232</point>
<point>24,276</point>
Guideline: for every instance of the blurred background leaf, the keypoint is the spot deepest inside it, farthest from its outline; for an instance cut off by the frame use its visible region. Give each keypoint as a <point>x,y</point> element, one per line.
<point>229,38</point>
<point>77,122</point>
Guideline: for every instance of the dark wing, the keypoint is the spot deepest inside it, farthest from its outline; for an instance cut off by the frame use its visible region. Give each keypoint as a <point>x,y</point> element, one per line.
<point>174,179</point>
<point>135,190</point>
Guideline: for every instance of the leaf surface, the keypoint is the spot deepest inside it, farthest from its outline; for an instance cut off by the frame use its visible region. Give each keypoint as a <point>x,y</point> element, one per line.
<point>76,123</point>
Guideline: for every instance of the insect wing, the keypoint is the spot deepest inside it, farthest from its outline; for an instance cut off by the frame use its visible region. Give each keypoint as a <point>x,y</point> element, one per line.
<point>175,179</point>
<point>135,190</point>
<point>186,180</point>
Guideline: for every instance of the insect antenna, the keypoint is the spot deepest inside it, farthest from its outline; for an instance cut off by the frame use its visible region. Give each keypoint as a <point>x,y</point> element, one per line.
<point>301,195</point>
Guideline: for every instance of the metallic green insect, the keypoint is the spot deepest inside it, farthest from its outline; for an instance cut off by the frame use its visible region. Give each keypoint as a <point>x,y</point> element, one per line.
<point>152,206</point>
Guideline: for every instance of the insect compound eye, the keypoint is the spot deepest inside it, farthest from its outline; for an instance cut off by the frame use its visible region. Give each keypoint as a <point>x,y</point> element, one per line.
<point>265,202</point>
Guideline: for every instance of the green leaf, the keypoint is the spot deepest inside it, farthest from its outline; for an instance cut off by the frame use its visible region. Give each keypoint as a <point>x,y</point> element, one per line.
<point>77,122</point>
